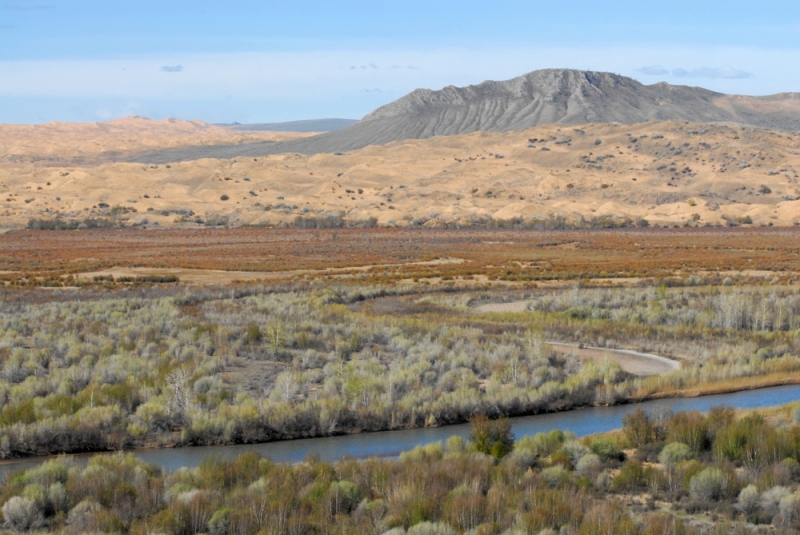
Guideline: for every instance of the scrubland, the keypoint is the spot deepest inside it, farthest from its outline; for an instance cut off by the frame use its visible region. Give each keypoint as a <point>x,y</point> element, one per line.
<point>684,473</point>
<point>105,347</point>
<point>171,365</point>
<point>508,254</point>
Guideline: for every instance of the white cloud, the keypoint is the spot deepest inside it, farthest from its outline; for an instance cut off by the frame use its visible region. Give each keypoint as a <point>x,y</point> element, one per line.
<point>728,73</point>
<point>323,76</point>
<point>655,70</point>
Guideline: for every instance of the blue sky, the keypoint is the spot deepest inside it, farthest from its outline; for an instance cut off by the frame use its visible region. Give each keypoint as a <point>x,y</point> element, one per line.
<point>248,61</point>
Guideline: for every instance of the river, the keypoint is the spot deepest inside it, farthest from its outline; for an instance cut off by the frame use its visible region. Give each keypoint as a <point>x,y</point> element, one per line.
<point>582,422</point>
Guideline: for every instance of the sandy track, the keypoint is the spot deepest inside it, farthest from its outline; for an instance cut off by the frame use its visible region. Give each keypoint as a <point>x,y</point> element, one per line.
<point>215,276</point>
<point>514,306</point>
<point>631,361</point>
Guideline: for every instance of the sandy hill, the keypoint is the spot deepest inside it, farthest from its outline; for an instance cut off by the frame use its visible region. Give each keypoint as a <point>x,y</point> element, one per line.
<point>552,96</point>
<point>58,144</point>
<point>667,172</point>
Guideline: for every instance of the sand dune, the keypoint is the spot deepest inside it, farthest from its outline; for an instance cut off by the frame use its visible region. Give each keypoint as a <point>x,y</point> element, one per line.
<point>58,144</point>
<point>667,172</point>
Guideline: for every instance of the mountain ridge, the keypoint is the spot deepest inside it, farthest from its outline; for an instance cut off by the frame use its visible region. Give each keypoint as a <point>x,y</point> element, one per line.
<point>549,96</point>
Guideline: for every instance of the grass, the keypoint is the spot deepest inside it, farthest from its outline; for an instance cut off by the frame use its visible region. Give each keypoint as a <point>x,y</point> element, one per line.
<point>724,386</point>
<point>493,256</point>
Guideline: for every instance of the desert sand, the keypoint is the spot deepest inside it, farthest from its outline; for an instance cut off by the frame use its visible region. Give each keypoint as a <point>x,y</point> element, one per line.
<point>58,144</point>
<point>670,173</point>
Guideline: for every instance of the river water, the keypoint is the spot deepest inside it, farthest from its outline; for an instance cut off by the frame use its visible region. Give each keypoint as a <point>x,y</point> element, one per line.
<point>582,422</point>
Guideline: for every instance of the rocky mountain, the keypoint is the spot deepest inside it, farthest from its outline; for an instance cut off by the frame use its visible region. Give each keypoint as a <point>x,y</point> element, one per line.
<point>551,96</point>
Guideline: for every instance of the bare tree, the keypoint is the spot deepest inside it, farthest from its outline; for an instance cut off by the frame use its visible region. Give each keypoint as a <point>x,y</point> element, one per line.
<point>276,337</point>
<point>181,400</point>
<point>288,385</point>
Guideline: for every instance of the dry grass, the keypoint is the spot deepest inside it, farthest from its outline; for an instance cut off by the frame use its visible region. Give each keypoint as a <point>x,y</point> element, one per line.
<point>723,386</point>
<point>499,256</point>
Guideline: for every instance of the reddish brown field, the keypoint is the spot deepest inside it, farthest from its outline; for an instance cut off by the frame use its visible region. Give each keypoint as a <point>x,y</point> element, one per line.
<point>513,255</point>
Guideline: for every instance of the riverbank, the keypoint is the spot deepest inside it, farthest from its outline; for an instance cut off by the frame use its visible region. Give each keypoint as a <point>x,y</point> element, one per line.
<point>740,384</point>
<point>677,473</point>
<point>177,440</point>
<point>582,421</point>
<point>256,364</point>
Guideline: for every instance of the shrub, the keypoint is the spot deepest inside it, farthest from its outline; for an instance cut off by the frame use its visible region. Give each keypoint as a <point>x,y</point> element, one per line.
<point>224,198</point>
<point>575,450</point>
<point>790,508</point>
<point>629,478</point>
<point>492,437</point>
<point>556,475</point>
<point>649,452</point>
<point>607,449</point>
<point>710,484</point>
<point>522,458</point>
<point>748,499</point>
<point>796,413</point>
<point>541,444</point>
<point>431,528</point>
<point>454,445</point>
<point>81,517</point>
<point>589,465</point>
<point>22,514</point>
<point>603,480</point>
<point>344,496</point>
<point>689,428</point>
<point>771,499</point>
<point>673,454</point>
<point>638,427</point>
<point>426,453</point>
<point>253,333</point>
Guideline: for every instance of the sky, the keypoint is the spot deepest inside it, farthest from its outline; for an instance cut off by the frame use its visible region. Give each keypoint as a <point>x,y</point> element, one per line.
<point>264,61</point>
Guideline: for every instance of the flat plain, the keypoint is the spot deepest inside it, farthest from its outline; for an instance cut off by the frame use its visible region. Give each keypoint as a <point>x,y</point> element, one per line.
<point>380,254</point>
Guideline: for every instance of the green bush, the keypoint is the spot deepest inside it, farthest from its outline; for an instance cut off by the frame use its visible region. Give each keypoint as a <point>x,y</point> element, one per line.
<point>630,477</point>
<point>710,484</point>
<point>491,437</point>
<point>607,449</point>
<point>673,454</point>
